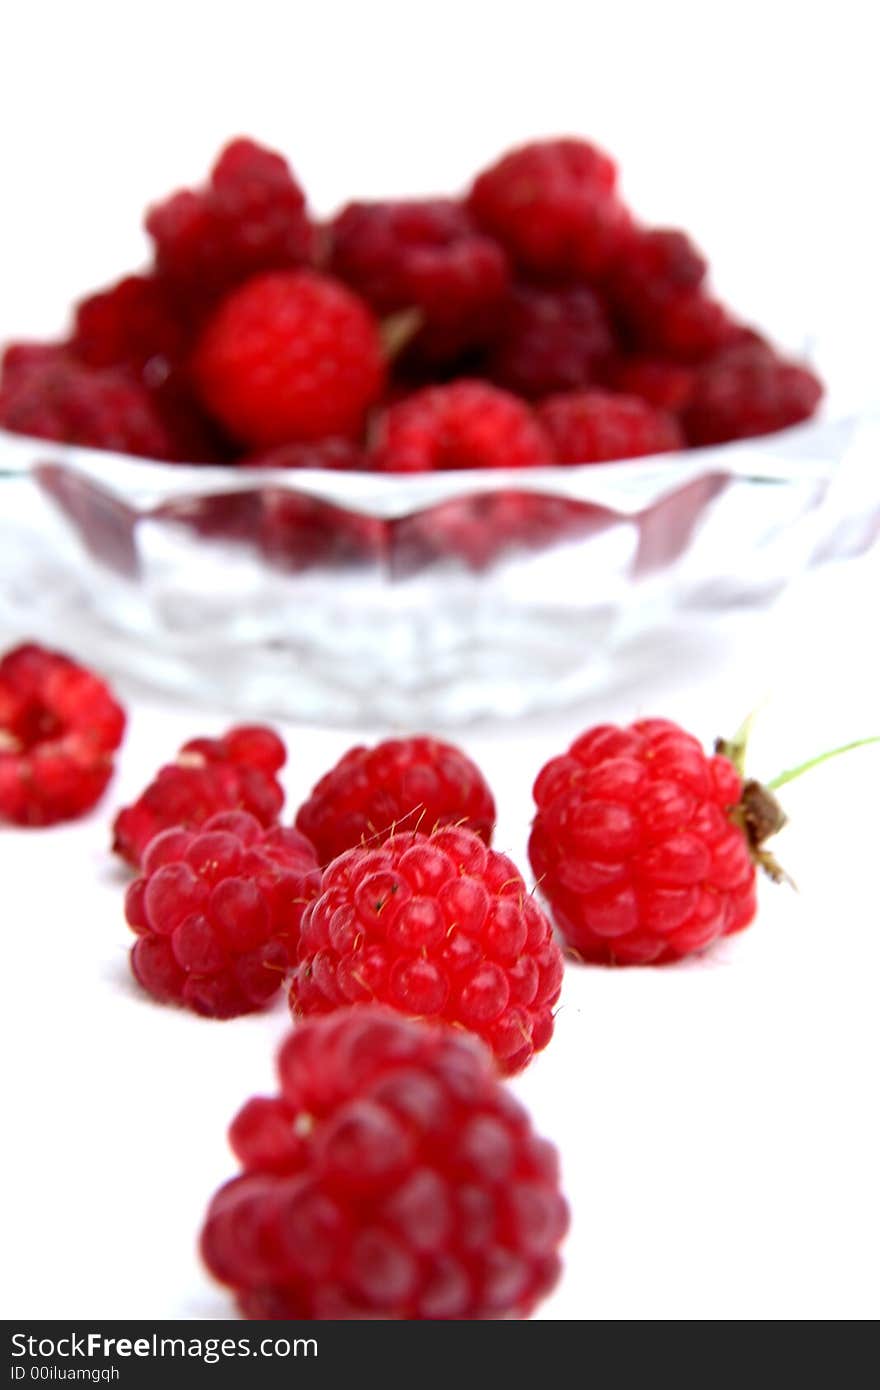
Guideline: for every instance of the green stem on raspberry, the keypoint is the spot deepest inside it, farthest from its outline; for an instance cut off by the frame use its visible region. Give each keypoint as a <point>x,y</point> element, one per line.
<point>734,749</point>
<point>791,773</point>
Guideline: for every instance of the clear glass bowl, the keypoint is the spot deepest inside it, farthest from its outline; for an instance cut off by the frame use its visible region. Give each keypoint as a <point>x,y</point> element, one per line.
<point>345,597</point>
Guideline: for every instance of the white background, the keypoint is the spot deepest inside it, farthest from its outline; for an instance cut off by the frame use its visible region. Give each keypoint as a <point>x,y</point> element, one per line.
<point>718,1120</point>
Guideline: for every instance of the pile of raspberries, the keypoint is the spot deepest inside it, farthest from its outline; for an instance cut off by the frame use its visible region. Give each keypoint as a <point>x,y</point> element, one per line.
<point>531,321</point>
<point>393,1174</point>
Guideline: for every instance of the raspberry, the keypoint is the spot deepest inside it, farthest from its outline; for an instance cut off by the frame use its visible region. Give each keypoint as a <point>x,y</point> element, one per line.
<point>393,1176</point>
<point>133,323</point>
<point>639,845</point>
<point>465,425</point>
<point>59,726</point>
<point>251,218</point>
<point>290,356</point>
<point>663,384</point>
<point>217,913</point>
<point>749,391</point>
<point>47,394</point>
<point>551,339</point>
<point>657,262</point>
<point>439,927</point>
<point>339,454</point>
<point>596,426</point>
<point>235,772</point>
<point>553,206</point>
<point>656,288</point>
<point>136,324</point>
<point>20,359</point>
<point>426,256</point>
<point>403,783</point>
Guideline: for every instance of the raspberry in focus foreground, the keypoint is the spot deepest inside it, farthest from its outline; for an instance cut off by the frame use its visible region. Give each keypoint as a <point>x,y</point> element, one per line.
<point>439,927</point>
<point>553,206</point>
<point>59,727</point>
<point>467,424</point>
<point>639,844</point>
<point>233,773</point>
<point>393,1177</point>
<point>290,356</point>
<point>403,784</point>
<point>217,913</point>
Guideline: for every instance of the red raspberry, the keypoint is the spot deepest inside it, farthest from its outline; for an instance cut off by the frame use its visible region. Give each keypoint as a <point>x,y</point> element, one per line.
<point>426,256</point>
<point>136,324</point>
<point>663,384</point>
<point>749,391</point>
<point>465,425</point>
<point>403,783</point>
<point>21,359</point>
<point>656,287</point>
<point>290,356</point>
<point>251,218</point>
<point>439,927</point>
<point>596,426</point>
<point>235,772</point>
<point>393,1176</point>
<point>639,844</point>
<point>217,913</point>
<point>553,206</point>
<point>550,340</point>
<point>133,323</point>
<point>339,454</point>
<point>59,726</point>
<point>46,394</point>
<point>656,262</point>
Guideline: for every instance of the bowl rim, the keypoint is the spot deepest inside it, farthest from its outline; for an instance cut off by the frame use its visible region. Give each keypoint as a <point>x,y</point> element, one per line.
<point>804,453</point>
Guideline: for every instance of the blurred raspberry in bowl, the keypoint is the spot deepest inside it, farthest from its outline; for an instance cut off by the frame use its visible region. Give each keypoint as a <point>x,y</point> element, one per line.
<point>419,460</point>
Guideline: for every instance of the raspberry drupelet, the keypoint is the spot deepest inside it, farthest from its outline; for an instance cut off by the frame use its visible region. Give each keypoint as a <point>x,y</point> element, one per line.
<point>425,256</point>
<point>217,913</point>
<point>234,772</point>
<point>467,424</point>
<point>644,847</point>
<point>417,783</point>
<point>599,426</point>
<point>393,1176</point>
<point>553,205</point>
<point>59,728</point>
<point>290,356</point>
<point>440,927</point>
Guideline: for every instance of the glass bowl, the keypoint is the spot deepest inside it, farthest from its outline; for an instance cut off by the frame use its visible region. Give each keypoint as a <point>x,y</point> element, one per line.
<point>358,597</point>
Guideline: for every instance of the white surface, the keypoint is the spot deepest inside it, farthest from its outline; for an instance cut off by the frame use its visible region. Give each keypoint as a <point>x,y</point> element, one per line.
<point>717,1121</point>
